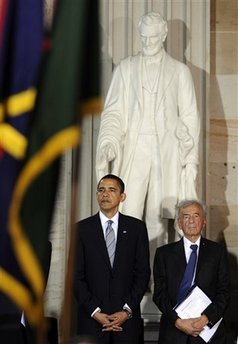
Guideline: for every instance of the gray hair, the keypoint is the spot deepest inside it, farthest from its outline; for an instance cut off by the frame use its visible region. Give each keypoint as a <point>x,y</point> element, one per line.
<point>153,18</point>
<point>187,202</point>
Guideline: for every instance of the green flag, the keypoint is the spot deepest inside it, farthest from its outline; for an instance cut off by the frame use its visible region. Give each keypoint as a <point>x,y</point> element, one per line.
<point>69,84</point>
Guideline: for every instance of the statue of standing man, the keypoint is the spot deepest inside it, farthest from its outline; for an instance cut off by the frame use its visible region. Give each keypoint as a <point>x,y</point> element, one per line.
<point>149,131</point>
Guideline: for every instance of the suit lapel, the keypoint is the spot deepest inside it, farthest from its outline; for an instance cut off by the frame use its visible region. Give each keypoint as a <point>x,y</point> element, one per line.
<point>202,256</point>
<point>121,240</point>
<point>176,261</point>
<point>180,258</point>
<point>100,241</point>
<point>165,77</point>
<point>136,78</point>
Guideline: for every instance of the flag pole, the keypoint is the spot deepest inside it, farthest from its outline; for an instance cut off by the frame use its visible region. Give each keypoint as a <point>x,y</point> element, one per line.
<point>65,319</point>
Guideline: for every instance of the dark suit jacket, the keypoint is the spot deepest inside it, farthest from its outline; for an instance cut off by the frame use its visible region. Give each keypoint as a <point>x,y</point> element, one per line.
<point>212,276</point>
<point>99,285</point>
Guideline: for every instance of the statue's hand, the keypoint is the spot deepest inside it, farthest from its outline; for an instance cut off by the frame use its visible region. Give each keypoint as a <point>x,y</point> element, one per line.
<point>111,154</point>
<point>191,172</point>
<point>105,154</point>
<point>108,153</point>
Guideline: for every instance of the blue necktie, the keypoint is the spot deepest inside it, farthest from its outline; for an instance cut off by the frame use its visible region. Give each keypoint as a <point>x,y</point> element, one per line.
<point>110,241</point>
<point>188,274</point>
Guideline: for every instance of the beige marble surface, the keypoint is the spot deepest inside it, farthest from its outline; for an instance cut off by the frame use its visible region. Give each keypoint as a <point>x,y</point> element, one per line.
<point>222,130</point>
<point>223,140</point>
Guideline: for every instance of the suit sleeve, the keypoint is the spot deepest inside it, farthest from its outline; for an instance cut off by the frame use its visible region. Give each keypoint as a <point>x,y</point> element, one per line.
<point>161,295</point>
<point>112,126</point>
<point>221,294</point>
<point>188,130</point>
<point>81,291</point>
<point>141,272</point>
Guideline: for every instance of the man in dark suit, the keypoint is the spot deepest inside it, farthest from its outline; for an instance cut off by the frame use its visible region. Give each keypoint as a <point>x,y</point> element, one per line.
<point>109,292</point>
<point>210,274</point>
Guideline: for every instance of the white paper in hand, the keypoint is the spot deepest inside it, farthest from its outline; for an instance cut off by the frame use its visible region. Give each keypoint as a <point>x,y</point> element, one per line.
<point>193,306</point>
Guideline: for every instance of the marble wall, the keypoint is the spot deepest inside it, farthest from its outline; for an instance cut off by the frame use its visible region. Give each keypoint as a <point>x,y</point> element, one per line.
<point>222,135</point>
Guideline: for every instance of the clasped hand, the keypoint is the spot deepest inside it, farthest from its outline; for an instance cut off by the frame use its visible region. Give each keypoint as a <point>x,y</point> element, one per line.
<point>192,326</point>
<point>111,322</point>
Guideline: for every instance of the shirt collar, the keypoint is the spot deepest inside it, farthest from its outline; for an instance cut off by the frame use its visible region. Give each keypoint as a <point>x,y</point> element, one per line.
<point>187,243</point>
<point>104,219</point>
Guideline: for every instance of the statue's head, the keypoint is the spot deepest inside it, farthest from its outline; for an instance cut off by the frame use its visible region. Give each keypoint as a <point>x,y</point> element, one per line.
<point>153,31</point>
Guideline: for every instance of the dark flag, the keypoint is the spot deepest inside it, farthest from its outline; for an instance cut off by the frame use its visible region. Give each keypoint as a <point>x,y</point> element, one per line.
<point>21,35</point>
<point>69,84</point>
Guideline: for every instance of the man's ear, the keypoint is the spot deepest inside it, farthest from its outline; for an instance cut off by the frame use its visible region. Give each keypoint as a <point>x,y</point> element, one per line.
<point>178,223</point>
<point>123,197</point>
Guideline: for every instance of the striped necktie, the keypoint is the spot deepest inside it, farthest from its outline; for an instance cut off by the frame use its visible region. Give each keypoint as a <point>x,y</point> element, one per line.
<point>110,241</point>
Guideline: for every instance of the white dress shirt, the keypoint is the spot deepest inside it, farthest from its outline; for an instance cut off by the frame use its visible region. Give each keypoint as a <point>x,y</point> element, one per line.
<point>104,224</point>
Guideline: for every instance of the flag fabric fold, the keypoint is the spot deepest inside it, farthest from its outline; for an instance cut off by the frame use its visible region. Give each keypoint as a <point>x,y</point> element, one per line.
<point>21,35</point>
<point>54,127</point>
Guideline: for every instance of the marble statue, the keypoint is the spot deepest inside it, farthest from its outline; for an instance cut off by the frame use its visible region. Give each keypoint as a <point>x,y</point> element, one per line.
<point>149,130</point>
